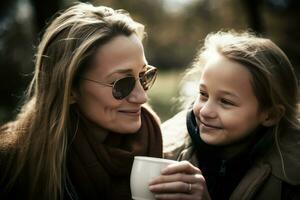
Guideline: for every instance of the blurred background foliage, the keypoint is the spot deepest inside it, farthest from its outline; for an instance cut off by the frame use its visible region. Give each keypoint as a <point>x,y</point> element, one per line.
<point>175,29</point>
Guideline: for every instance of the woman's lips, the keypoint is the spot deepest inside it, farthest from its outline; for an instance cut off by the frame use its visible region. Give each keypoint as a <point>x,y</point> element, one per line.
<point>131,112</point>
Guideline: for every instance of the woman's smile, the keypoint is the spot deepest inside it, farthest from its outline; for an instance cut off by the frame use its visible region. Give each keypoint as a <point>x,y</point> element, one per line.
<point>131,112</point>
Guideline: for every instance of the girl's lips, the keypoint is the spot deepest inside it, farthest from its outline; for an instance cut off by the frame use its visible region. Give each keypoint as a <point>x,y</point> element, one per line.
<point>207,125</point>
<point>205,128</point>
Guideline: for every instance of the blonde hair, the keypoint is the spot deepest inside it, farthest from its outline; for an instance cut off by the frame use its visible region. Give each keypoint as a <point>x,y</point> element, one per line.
<point>38,138</point>
<point>273,78</point>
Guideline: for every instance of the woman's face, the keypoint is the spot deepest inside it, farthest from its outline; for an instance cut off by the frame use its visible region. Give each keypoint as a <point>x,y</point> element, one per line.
<point>121,57</point>
<point>226,109</point>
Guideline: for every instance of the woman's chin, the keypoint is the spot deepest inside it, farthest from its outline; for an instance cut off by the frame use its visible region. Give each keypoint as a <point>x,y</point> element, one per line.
<point>129,128</point>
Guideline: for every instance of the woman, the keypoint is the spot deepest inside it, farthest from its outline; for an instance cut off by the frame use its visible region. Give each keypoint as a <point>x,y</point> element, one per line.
<point>242,130</point>
<point>83,120</point>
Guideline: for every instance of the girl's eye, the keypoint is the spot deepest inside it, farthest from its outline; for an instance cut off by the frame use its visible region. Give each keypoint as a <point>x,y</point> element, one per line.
<point>227,102</point>
<point>203,95</point>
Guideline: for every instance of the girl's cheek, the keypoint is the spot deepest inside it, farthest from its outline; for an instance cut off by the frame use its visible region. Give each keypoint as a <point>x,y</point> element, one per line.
<point>196,108</point>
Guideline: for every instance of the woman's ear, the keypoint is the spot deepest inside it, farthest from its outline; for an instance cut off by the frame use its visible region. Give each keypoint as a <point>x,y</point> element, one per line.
<point>273,115</point>
<point>73,97</point>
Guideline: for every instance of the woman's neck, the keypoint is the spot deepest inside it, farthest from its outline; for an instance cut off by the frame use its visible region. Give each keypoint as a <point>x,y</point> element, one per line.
<point>98,132</point>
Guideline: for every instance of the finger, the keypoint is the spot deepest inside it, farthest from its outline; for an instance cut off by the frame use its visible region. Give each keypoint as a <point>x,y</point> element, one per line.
<point>179,177</point>
<point>175,196</point>
<point>179,190</point>
<point>170,187</point>
<point>181,167</point>
<point>177,187</point>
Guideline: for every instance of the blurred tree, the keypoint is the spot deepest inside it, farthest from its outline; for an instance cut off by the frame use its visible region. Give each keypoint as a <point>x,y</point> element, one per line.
<point>16,39</point>
<point>44,10</point>
<point>253,12</point>
<point>283,26</point>
<point>175,30</point>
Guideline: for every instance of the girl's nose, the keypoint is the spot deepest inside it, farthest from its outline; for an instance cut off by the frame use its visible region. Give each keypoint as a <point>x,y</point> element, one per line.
<point>208,109</point>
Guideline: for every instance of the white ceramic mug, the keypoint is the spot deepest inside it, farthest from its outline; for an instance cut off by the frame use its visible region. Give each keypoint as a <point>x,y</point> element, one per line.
<point>144,169</point>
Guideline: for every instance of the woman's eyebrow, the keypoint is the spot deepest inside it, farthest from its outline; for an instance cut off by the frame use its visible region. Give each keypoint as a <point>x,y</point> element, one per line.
<point>119,71</point>
<point>123,71</point>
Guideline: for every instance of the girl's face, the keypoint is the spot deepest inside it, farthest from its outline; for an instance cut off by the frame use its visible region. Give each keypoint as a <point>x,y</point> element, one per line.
<point>226,109</point>
<point>121,57</point>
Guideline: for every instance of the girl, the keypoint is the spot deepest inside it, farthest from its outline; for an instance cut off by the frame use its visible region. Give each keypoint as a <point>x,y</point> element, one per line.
<point>242,130</point>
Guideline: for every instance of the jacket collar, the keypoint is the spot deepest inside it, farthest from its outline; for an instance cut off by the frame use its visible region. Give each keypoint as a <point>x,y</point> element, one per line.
<point>284,160</point>
<point>257,144</point>
<point>284,157</point>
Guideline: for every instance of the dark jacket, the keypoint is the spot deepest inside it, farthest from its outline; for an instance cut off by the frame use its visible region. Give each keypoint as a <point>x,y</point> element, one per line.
<point>265,179</point>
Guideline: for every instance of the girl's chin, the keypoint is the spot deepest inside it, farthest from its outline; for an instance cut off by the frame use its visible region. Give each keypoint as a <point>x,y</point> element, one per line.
<point>210,139</point>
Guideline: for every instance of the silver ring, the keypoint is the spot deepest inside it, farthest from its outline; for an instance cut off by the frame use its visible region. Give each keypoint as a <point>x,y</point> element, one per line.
<point>190,188</point>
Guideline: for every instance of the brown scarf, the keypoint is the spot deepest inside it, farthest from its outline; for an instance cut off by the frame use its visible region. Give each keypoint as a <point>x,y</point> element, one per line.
<point>101,170</point>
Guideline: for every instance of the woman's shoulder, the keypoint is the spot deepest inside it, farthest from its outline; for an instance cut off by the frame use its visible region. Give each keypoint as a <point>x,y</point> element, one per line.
<point>8,135</point>
<point>8,142</point>
<point>175,127</point>
<point>7,146</point>
<point>175,135</point>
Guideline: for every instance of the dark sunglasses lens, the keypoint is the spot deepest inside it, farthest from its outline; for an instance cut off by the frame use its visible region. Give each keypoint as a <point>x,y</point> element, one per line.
<point>148,78</point>
<point>123,87</point>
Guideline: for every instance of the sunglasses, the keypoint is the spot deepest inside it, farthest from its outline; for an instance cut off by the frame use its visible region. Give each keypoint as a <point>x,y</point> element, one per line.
<point>121,88</point>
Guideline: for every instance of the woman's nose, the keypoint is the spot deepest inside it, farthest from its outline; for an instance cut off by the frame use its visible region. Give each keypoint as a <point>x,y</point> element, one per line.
<point>138,94</point>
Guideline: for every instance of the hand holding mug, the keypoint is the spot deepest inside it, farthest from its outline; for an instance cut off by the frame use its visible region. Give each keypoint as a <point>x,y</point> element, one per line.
<point>180,180</point>
<point>144,169</point>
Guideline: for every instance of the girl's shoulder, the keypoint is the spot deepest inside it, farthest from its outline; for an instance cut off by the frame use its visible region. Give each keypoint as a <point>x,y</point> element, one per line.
<point>290,191</point>
<point>285,156</point>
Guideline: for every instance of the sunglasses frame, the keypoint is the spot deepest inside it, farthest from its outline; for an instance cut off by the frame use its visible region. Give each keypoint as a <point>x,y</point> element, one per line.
<point>149,68</point>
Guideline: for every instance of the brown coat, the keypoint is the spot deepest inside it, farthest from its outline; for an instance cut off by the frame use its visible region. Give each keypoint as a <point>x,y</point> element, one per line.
<point>262,181</point>
<point>97,169</point>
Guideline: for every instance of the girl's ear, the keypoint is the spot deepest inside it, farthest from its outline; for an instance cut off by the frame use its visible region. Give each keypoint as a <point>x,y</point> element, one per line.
<point>273,115</point>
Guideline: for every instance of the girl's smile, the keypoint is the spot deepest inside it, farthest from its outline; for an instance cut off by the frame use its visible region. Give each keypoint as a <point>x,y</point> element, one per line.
<point>227,109</point>
<point>208,126</point>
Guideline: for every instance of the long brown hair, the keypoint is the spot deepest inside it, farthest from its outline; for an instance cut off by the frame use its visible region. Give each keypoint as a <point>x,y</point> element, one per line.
<point>274,81</point>
<point>38,138</point>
